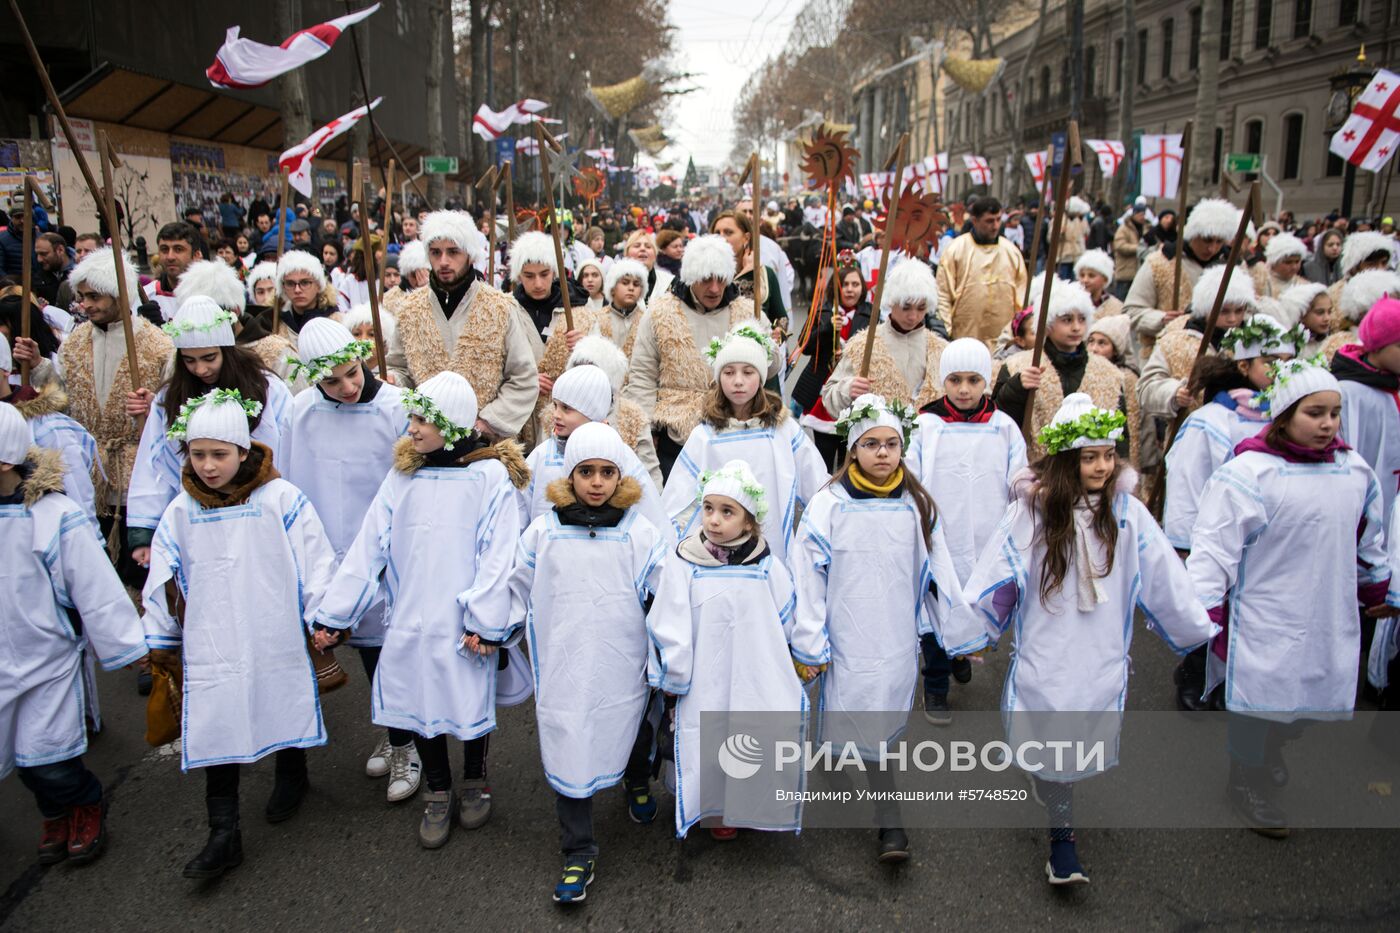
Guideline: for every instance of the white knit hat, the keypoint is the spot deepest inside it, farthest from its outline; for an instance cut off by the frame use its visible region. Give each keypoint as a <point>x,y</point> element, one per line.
<point>744,344</point>
<point>324,344</point>
<point>413,257</point>
<point>1095,260</point>
<point>599,351</point>
<point>212,279</point>
<point>532,247</point>
<point>909,282</point>
<point>1076,206</point>
<point>1364,289</point>
<point>1240,292</point>
<point>200,322</point>
<point>7,360</point>
<point>1212,217</point>
<point>707,257</point>
<point>295,260</point>
<point>1297,299</point>
<point>262,272</point>
<point>736,480</point>
<point>447,402</point>
<point>456,227</point>
<point>220,415</point>
<point>359,315</point>
<point>623,269</point>
<point>966,355</point>
<point>871,411</point>
<point>15,436</point>
<point>1295,380</point>
<point>1284,246</point>
<point>99,272</point>
<point>1066,298</point>
<point>1357,246</point>
<point>587,389</point>
<point>1258,336</point>
<point>1078,423</point>
<point>593,441</point>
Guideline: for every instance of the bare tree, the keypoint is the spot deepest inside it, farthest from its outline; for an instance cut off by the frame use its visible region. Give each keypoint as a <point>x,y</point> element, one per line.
<point>1127,90</point>
<point>1207,96</point>
<point>1017,100</point>
<point>291,87</point>
<point>437,143</point>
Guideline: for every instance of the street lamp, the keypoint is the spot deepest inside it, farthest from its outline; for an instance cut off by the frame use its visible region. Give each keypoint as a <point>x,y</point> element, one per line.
<point>1347,85</point>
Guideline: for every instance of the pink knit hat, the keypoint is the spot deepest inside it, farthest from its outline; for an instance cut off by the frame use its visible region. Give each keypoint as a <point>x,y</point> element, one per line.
<point>1381,325</point>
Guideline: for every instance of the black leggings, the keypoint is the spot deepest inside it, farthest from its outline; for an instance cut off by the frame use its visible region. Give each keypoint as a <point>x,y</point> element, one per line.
<point>369,658</point>
<point>222,780</point>
<point>1059,808</point>
<point>437,769</point>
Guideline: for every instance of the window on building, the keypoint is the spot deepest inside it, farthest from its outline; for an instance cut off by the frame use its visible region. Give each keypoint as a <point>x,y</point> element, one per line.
<point>1293,146</point>
<point>1348,11</point>
<point>1227,23</point>
<point>1090,61</point>
<point>1193,48</point>
<point>1168,36</point>
<point>1334,165</point>
<point>1302,19</point>
<point>1118,65</point>
<point>1045,85</point>
<point>1263,22</point>
<point>1254,136</point>
<point>1218,154</point>
<point>1142,57</point>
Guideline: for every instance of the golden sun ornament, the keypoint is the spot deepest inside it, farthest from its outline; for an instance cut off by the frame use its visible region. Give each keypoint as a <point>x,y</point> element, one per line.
<point>828,158</point>
<point>920,223</point>
<point>590,183</point>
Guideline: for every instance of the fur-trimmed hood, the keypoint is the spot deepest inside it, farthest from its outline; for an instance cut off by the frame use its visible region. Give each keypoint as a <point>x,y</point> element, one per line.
<point>45,474</point>
<point>51,400</point>
<point>1025,483</point>
<point>511,455</point>
<point>560,493</point>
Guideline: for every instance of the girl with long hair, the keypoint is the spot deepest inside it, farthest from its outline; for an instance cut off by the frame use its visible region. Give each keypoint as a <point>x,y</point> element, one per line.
<point>848,314</point>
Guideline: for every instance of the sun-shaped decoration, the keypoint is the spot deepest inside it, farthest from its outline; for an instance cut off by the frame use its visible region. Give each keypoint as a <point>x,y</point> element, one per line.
<point>526,219</point>
<point>590,183</point>
<point>827,158</point>
<point>920,223</point>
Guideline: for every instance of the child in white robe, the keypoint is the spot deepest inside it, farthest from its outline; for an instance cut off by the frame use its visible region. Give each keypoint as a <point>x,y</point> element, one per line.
<point>1291,648</point>
<point>206,358</point>
<point>584,573</point>
<point>873,576</point>
<point>442,530</point>
<point>1075,557</point>
<point>1369,374</point>
<point>339,445</point>
<point>965,451</point>
<point>741,420</point>
<point>51,561</point>
<point>720,628</point>
<point>239,562</point>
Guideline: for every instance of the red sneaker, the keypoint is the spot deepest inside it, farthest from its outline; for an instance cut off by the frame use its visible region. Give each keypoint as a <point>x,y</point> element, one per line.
<point>724,833</point>
<point>87,832</point>
<point>53,844</point>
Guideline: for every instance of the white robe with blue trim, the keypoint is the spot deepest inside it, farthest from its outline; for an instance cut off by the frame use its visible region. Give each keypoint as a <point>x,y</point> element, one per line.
<point>51,561</point>
<point>783,459</point>
<point>546,463</point>
<point>578,594</point>
<point>251,576</point>
<point>57,431</point>
<point>337,454</point>
<point>719,640</point>
<point>1286,545</point>
<point>445,539</point>
<point>155,477</point>
<point>1205,443</point>
<point>1386,643</point>
<point>1371,425</point>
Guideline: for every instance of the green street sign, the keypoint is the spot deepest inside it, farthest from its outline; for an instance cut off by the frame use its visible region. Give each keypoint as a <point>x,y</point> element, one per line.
<point>1242,162</point>
<point>439,165</point>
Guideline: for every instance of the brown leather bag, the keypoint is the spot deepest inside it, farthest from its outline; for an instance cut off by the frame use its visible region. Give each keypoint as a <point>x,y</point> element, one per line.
<point>165,705</point>
<point>329,674</point>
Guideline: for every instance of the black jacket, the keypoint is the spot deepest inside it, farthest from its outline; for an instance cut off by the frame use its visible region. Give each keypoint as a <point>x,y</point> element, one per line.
<point>821,357</point>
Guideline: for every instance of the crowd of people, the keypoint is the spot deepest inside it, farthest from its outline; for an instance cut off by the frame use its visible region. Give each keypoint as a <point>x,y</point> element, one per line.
<point>623,507</point>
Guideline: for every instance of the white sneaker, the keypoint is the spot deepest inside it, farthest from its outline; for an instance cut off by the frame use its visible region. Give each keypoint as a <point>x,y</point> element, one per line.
<point>405,773</point>
<point>377,765</point>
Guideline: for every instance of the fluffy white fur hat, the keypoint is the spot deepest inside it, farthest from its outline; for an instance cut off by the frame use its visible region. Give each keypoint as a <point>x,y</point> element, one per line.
<point>1365,289</point>
<point>215,280</point>
<point>532,247</point>
<point>359,316</point>
<point>1299,298</point>
<point>1284,246</point>
<point>456,227</point>
<point>1357,246</point>
<point>1240,292</point>
<point>296,260</point>
<point>413,258</point>
<point>1066,298</point>
<point>623,269</point>
<point>1076,206</point>
<point>910,281</point>
<point>262,272</point>
<point>1095,260</point>
<point>99,271</point>
<point>707,257</point>
<point>597,350</point>
<point>1213,217</point>
<point>15,436</point>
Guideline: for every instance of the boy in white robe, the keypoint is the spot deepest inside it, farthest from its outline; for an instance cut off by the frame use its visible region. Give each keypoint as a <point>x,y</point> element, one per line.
<point>584,573</point>
<point>238,563</point>
<point>442,530</point>
<point>52,561</point>
<point>338,446</point>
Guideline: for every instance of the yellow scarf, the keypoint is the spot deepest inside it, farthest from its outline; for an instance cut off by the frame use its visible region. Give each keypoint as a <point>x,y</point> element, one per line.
<point>868,486</point>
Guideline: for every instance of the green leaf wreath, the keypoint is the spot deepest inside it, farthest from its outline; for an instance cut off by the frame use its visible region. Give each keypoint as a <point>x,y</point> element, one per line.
<point>752,488</point>
<point>747,331</point>
<point>177,328</point>
<point>1096,425</point>
<point>422,406</point>
<point>180,428</point>
<point>320,367</point>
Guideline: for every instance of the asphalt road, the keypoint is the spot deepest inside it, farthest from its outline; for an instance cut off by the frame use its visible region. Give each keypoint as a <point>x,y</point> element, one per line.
<point>349,860</point>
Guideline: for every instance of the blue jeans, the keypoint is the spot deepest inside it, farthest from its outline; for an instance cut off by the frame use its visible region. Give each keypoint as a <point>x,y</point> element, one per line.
<point>61,785</point>
<point>937,665</point>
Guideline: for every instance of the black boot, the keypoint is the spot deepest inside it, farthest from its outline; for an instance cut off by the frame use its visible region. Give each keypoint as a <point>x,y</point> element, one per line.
<point>224,850</point>
<point>894,846</point>
<point>1245,790</point>
<point>1190,678</point>
<point>288,789</point>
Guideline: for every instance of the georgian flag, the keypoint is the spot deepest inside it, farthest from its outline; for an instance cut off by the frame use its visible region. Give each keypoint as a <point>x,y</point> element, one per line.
<point>296,161</point>
<point>1039,164</point>
<point>488,124</point>
<point>931,174</point>
<point>243,63</point>
<point>1372,132</point>
<point>1160,165</point>
<point>1110,153</point>
<point>978,168</point>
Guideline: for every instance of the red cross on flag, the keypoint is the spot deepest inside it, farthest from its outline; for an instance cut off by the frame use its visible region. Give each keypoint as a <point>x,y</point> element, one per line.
<point>978,168</point>
<point>489,125</point>
<point>1038,162</point>
<point>1371,133</point>
<point>1161,165</point>
<point>934,173</point>
<point>1110,153</point>
<point>296,161</point>
<point>243,63</point>
<point>875,183</point>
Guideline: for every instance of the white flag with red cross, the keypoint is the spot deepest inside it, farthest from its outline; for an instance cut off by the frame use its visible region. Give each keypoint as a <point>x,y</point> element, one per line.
<point>1372,132</point>
<point>978,168</point>
<point>296,161</point>
<point>1110,153</point>
<point>876,184</point>
<point>1039,163</point>
<point>243,63</point>
<point>1161,165</point>
<point>931,173</point>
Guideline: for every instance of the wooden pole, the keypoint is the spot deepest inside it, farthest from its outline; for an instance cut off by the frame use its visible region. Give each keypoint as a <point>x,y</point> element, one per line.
<point>1035,239</point>
<point>760,273</point>
<point>1181,204</point>
<point>487,183</point>
<point>358,188</point>
<point>388,204</point>
<point>283,227</point>
<point>1052,254</point>
<point>545,140</point>
<point>508,179</point>
<point>31,189</point>
<point>901,156</point>
<point>109,161</point>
